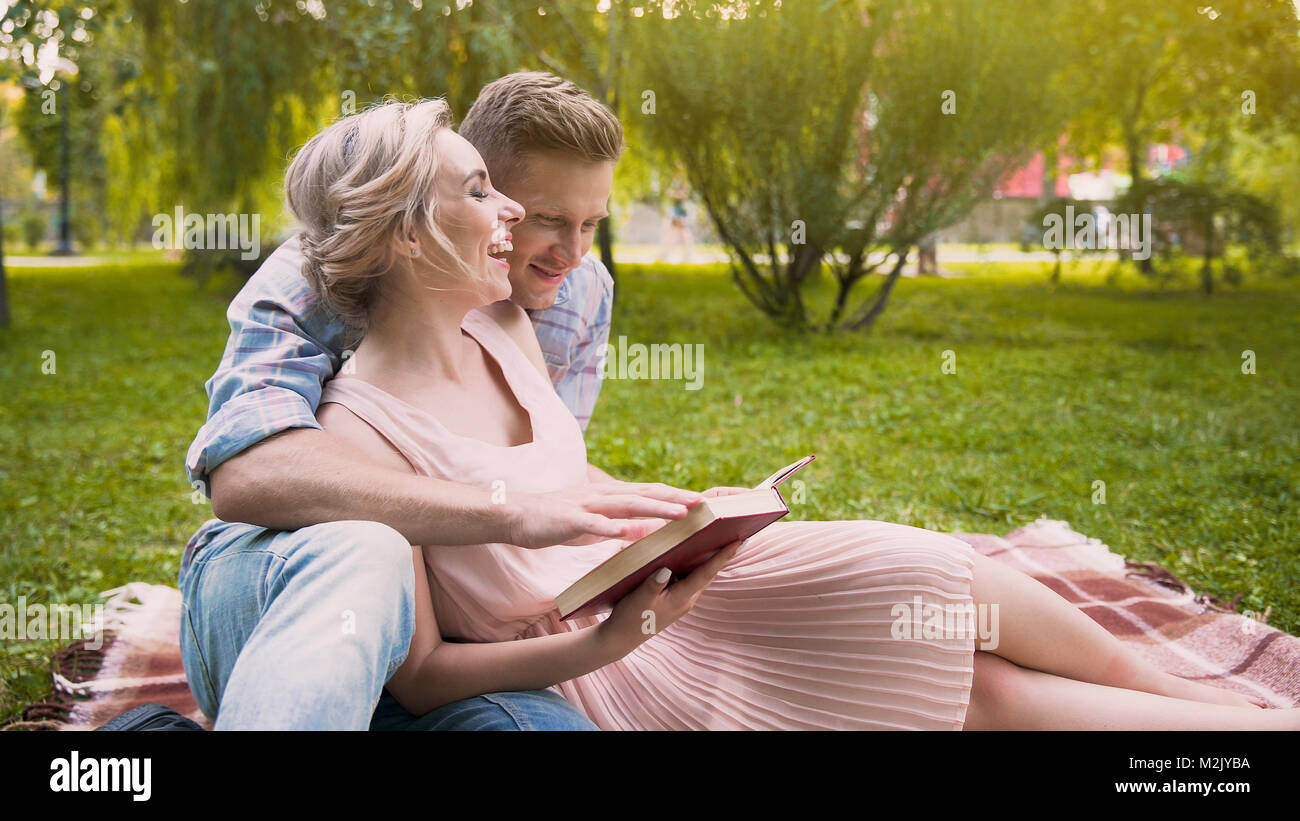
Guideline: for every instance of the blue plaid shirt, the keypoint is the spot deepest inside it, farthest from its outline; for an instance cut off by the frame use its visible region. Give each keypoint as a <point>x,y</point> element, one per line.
<point>284,345</point>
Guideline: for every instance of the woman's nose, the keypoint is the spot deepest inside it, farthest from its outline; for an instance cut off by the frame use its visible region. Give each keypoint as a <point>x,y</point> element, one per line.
<point>511,211</point>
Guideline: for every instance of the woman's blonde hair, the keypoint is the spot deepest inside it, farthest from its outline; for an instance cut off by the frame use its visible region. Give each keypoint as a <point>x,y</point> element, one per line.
<point>364,180</point>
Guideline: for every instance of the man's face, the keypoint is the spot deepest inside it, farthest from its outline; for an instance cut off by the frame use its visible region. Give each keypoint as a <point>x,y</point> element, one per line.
<point>563,199</point>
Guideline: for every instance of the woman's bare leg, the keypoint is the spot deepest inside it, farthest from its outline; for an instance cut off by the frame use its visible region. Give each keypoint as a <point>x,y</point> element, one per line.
<point>1005,696</point>
<point>1040,630</point>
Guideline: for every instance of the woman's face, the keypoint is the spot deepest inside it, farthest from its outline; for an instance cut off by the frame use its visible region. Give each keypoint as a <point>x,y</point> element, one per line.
<point>475,216</point>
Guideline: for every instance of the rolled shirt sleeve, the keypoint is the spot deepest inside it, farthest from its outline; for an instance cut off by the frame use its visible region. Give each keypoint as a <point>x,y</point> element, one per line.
<point>283,346</point>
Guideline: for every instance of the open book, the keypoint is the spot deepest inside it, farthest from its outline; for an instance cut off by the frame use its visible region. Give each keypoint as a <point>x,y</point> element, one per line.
<point>681,545</point>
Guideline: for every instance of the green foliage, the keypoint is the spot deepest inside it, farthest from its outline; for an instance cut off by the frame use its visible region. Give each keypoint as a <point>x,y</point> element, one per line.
<point>843,136</point>
<point>1206,76</point>
<point>34,227</point>
<point>1206,219</point>
<point>1065,209</point>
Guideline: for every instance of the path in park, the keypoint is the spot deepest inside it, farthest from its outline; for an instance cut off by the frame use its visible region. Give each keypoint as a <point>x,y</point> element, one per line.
<point>55,262</point>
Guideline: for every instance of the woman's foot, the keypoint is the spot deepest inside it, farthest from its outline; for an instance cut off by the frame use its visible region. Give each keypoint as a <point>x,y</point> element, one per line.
<point>1195,691</point>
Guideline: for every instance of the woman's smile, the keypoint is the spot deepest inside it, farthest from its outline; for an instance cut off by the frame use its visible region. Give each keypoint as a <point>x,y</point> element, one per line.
<point>500,244</point>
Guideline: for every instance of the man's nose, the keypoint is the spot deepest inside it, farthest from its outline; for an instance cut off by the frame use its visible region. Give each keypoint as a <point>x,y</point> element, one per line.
<point>569,247</point>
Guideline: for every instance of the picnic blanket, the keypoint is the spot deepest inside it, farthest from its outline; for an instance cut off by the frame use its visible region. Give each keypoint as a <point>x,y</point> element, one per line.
<point>1194,636</point>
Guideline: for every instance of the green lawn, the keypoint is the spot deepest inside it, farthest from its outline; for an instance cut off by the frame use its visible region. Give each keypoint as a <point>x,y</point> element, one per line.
<point>1054,389</point>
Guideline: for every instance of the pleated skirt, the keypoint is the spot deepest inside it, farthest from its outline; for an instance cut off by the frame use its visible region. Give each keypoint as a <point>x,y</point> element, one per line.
<point>810,627</point>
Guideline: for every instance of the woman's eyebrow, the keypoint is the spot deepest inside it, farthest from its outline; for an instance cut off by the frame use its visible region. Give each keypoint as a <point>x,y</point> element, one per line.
<point>477,172</point>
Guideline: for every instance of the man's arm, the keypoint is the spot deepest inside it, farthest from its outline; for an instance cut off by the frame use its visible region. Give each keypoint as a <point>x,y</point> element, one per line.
<point>264,459</point>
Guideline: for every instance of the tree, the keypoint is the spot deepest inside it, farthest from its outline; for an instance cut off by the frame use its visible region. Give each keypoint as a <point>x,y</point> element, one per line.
<point>1062,212</point>
<point>1148,71</point>
<point>1209,217</point>
<point>841,134</point>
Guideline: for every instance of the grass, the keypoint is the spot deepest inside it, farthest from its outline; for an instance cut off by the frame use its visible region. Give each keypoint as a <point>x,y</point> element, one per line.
<point>1055,389</point>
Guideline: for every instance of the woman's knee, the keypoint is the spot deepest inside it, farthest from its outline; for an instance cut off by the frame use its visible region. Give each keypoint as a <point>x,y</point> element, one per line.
<point>995,689</point>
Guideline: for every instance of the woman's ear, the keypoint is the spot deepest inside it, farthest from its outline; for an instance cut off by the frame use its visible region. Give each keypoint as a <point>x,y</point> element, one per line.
<point>404,245</point>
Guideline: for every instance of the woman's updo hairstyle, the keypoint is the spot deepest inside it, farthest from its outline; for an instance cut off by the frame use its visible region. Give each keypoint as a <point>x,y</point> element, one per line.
<point>355,186</point>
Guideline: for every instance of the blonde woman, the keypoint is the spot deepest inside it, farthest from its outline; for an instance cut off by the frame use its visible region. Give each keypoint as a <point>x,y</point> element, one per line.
<point>402,232</point>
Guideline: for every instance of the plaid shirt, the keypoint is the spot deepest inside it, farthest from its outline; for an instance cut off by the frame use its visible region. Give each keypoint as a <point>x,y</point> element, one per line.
<point>284,345</point>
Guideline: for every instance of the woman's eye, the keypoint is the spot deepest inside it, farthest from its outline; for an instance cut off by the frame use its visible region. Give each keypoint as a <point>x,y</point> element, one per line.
<point>478,195</point>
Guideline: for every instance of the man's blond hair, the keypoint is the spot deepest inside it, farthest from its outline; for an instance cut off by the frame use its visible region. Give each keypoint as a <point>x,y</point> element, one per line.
<point>533,112</point>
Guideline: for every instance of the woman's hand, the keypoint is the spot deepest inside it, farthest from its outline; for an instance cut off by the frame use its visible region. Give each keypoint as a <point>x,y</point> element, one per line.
<point>650,607</point>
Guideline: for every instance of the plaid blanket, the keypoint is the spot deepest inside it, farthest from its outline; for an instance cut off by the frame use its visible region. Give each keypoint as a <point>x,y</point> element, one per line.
<point>1144,605</point>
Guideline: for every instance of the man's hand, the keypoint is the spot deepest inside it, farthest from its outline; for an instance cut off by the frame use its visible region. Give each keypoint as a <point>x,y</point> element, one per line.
<point>724,490</point>
<point>589,513</point>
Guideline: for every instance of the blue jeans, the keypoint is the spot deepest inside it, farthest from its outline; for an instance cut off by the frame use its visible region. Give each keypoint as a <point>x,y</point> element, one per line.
<point>300,630</point>
<point>531,710</point>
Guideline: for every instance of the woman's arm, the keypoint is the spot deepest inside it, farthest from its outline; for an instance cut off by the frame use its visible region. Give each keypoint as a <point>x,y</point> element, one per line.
<point>436,672</point>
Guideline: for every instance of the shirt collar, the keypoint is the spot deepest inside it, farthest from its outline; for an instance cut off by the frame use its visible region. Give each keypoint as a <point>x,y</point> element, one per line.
<point>562,295</point>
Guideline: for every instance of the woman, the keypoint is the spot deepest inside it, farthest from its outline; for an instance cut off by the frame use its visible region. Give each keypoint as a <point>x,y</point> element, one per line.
<point>792,629</point>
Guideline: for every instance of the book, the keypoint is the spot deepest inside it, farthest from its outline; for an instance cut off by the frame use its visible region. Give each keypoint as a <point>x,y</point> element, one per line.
<point>681,545</point>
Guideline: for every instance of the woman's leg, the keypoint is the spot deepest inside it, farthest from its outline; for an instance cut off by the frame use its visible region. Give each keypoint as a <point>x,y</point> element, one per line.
<point>1040,630</point>
<point>1005,696</point>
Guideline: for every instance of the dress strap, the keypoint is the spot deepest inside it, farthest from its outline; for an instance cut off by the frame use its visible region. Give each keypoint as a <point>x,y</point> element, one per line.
<point>398,423</point>
<point>507,353</point>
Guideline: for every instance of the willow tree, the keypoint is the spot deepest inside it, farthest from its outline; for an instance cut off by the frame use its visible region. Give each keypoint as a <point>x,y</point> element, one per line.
<point>837,135</point>
<point>1206,76</point>
<point>211,97</point>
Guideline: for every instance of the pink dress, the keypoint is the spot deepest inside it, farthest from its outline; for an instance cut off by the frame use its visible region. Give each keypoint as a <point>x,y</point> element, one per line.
<point>798,632</point>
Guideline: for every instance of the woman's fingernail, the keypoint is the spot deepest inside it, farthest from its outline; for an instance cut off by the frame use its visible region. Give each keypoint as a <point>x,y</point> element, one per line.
<point>663,575</point>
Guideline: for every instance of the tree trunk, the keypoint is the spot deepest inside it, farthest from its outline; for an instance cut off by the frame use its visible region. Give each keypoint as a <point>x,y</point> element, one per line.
<point>1051,161</point>
<point>4,289</point>
<point>869,318</point>
<point>1135,171</point>
<point>4,285</point>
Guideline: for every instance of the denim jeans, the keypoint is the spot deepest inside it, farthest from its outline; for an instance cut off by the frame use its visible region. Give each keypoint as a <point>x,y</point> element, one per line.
<point>300,630</point>
<point>531,710</point>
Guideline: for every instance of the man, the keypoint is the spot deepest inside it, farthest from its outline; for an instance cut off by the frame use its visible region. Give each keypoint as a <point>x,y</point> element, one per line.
<point>296,620</point>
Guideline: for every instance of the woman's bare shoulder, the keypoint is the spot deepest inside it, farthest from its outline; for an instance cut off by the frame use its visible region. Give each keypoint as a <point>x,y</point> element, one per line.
<point>338,420</point>
<point>516,323</point>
